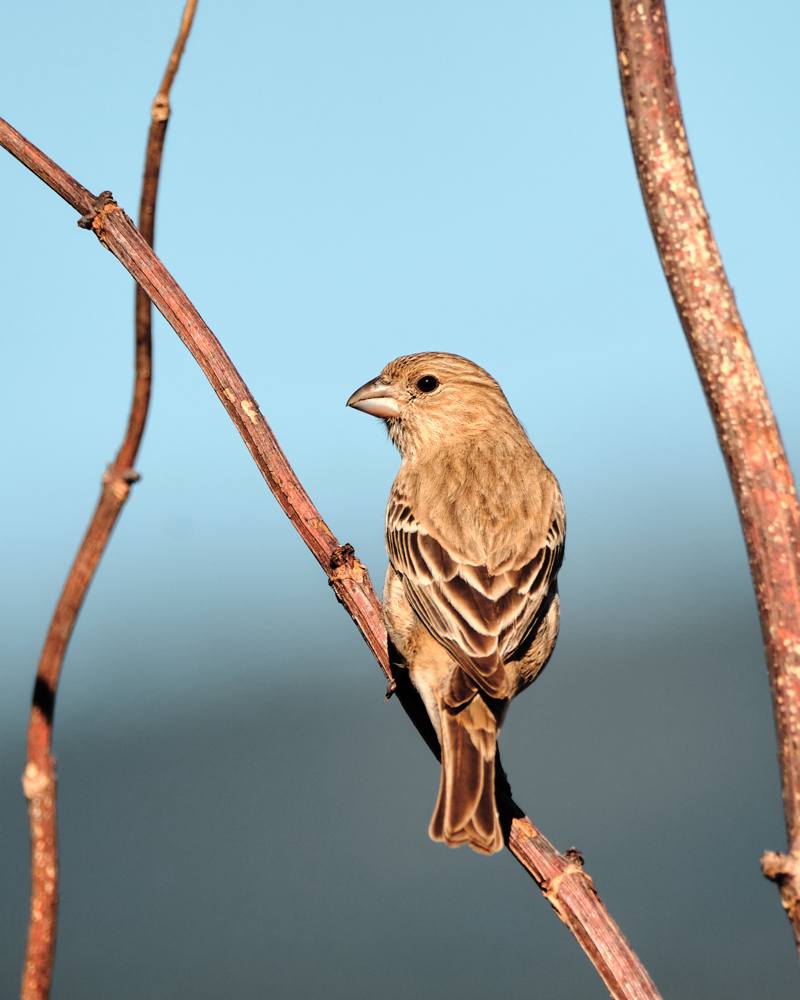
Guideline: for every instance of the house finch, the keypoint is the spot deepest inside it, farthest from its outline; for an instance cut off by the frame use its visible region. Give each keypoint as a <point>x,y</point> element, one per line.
<point>475,530</point>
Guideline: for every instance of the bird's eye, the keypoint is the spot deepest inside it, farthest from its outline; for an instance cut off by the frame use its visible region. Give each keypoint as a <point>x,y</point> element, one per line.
<point>428,383</point>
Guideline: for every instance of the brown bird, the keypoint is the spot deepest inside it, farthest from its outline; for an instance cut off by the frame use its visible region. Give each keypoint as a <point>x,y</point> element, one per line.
<point>475,533</point>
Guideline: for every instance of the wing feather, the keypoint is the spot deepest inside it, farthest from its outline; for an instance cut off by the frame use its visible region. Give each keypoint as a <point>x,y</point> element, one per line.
<point>481,617</point>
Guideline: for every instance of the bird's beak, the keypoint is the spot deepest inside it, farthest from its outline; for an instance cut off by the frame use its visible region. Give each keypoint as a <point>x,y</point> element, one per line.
<point>377,398</point>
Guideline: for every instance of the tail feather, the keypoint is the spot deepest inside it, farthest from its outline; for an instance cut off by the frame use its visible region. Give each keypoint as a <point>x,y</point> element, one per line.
<point>466,810</point>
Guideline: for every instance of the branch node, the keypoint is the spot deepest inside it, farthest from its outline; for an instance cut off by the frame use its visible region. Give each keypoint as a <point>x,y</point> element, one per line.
<point>345,566</point>
<point>784,870</point>
<point>574,856</point>
<point>34,781</point>
<point>95,218</point>
<point>159,110</point>
<point>119,481</point>
<point>104,199</point>
<point>573,866</point>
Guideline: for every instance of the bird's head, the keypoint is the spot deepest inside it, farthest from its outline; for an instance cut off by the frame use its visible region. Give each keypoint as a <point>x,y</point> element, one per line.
<point>430,399</point>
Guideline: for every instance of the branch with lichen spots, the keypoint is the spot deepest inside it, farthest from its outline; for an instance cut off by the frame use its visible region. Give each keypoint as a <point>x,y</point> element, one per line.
<point>746,427</point>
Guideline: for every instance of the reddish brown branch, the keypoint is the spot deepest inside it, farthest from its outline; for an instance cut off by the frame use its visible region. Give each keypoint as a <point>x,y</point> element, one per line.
<point>159,119</point>
<point>39,779</point>
<point>746,427</point>
<point>560,876</point>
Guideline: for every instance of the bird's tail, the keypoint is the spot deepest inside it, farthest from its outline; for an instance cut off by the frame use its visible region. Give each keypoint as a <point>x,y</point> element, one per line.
<point>466,810</point>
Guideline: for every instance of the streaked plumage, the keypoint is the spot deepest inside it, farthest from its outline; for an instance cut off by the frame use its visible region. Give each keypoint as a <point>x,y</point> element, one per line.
<point>475,533</point>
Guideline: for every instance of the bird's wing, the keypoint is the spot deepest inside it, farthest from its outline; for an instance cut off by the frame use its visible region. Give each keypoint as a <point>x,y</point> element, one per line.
<point>481,618</point>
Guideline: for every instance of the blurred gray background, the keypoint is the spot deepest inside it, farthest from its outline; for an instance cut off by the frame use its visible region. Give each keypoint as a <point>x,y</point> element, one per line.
<point>241,814</point>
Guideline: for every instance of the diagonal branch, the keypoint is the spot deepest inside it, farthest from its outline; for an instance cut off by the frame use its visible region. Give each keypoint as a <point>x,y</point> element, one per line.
<point>745,424</point>
<point>561,877</point>
<point>39,779</point>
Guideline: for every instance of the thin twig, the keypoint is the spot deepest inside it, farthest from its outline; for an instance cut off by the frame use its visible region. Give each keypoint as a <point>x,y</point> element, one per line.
<point>745,424</point>
<point>560,876</point>
<point>39,779</point>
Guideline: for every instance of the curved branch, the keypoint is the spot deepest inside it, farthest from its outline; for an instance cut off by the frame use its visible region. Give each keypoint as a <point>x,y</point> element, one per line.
<point>39,779</point>
<point>560,876</point>
<point>746,428</point>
